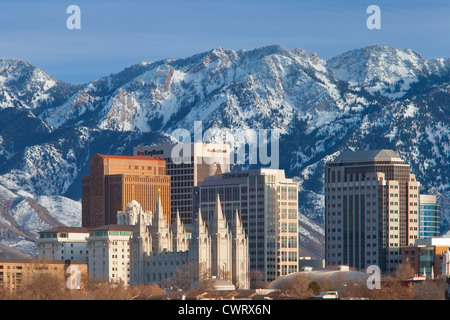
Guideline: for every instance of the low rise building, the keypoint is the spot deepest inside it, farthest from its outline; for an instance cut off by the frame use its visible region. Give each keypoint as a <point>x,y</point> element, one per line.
<point>63,243</point>
<point>14,271</point>
<point>427,256</point>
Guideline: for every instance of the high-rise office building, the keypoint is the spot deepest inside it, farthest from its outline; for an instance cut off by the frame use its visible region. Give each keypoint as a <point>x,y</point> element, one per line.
<point>114,181</point>
<point>188,165</point>
<point>371,209</point>
<point>268,204</point>
<point>430,217</point>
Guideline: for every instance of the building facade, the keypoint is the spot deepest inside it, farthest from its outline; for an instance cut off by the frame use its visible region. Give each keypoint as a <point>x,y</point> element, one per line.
<point>213,249</point>
<point>428,257</point>
<point>144,249</point>
<point>268,203</point>
<point>14,271</point>
<point>63,243</point>
<point>188,165</point>
<point>429,217</point>
<point>109,253</point>
<point>116,180</point>
<point>371,209</point>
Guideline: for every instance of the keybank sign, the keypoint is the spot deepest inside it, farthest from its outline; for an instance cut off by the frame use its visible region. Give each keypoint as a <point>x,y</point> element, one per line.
<point>246,145</point>
<point>150,153</point>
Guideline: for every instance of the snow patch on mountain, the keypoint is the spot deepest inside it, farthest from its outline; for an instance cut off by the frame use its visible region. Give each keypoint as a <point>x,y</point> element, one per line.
<point>65,210</point>
<point>23,85</point>
<point>379,69</point>
<point>45,171</point>
<point>25,217</point>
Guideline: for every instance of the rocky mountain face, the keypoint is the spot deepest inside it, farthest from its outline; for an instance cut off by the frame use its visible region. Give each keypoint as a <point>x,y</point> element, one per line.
<point>369,98</point>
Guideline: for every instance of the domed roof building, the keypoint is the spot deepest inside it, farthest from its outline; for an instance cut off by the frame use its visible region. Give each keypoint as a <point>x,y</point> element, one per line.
<point>341,275</point>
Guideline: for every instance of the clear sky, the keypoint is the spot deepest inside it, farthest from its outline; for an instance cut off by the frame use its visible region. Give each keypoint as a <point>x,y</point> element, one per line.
<point>115,34</point>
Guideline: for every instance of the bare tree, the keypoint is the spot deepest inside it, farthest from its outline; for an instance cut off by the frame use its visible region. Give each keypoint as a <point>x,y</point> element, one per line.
<point>107,291</point>
<point>145,291</point>
<point>257,280</point>
<point>429,290</point>
<point>42,284</point>
<point>404,271</point>
<point>185,276</point>
<point>5,293</point>
<point>393,289</point>
<point>357,291</point>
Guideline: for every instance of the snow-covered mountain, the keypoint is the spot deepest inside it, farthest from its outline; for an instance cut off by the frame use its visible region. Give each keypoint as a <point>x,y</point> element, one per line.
<point>384,70</point>
<point>373,97</point>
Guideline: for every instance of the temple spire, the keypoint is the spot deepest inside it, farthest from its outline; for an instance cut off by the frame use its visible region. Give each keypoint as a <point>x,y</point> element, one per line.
<point>159,213</point>
<point>219,221</point>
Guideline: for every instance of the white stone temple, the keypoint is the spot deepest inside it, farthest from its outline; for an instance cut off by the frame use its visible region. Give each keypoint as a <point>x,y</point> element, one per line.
<point>217,248</point>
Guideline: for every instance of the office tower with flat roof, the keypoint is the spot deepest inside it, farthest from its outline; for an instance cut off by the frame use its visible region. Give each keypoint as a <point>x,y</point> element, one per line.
<point>188,165</point>
<point>371,209</point>
<point>429,217</point>
<point>114,181</point>
<point>268,204</point>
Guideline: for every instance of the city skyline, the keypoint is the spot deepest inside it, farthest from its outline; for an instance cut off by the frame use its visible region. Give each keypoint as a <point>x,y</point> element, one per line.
<point>381,172</point>
<point>325,78</point>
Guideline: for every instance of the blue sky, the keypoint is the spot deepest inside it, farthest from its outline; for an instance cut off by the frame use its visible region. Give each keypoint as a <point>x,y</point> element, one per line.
<point>117,33</point>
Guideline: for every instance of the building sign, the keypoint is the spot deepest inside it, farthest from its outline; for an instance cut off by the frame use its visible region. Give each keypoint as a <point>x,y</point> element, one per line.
<point>150,153</point>
<point>232,175</point>
<point>216,150</point>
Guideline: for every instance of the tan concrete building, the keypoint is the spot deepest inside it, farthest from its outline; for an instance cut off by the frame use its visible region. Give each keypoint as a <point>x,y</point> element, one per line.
<point>371,209</point>
<point>114,181</point>
<point>14,271</point>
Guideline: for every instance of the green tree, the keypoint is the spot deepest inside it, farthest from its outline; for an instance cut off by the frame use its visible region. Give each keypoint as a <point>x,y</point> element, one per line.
<point>314,287</point>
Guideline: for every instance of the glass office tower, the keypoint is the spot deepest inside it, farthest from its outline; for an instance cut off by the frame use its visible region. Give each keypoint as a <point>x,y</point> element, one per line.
<point>430,217</point>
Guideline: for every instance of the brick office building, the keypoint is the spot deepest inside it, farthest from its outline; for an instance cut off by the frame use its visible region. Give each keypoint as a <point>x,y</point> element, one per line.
<point>114,181</point>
